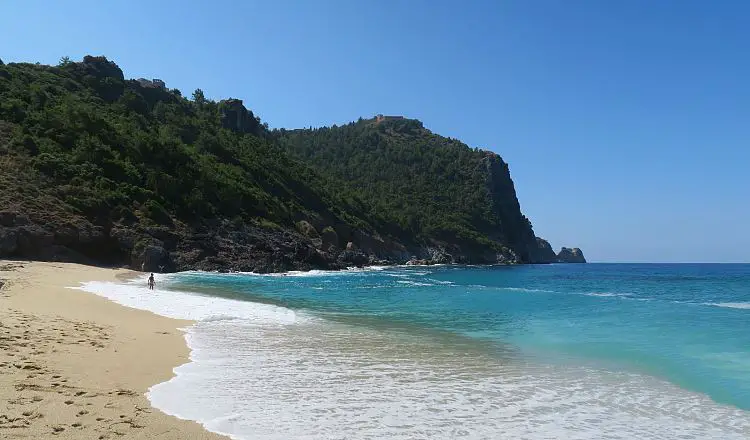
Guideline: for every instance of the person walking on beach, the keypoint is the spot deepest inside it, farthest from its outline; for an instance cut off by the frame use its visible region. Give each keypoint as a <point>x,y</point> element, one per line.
<point>151,282</point>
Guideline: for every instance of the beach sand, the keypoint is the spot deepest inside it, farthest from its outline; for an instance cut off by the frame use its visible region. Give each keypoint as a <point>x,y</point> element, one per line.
<point>76,366</point>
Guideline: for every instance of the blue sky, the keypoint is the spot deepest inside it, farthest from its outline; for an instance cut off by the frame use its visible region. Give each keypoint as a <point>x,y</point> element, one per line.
<point>626,124</point>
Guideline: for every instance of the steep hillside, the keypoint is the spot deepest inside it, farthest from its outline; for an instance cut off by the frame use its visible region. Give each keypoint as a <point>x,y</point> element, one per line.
<point>425,187</point>
<point>95,167</point>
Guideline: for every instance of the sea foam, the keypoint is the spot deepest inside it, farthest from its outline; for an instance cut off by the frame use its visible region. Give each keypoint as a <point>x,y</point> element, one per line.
<point>731,305</point>
<point>189,306</point>
<point>260,371</point>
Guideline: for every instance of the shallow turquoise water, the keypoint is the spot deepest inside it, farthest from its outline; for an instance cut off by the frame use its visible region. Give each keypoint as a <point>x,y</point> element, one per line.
<point>686,324</point>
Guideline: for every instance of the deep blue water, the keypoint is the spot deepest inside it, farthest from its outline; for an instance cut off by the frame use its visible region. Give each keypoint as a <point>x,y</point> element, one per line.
<point>684,323</point>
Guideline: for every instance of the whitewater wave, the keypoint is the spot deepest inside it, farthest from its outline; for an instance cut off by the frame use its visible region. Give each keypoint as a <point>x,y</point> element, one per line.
<point>602,294</point>
<point>731,305</point>
<point>336,381</point>
<point>292,273</point>
<point>414,283</point>
<point>187,305</point>
<point>607,295</point>
<point>446,283</point>
<point>524,289</point>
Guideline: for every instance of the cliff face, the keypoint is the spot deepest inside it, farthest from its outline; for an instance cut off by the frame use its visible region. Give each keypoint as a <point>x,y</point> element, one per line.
<point>441,199</point>
<point>516,229</point>
<point>97,168</point>
<point>543,252</point>
<point>236,117</point>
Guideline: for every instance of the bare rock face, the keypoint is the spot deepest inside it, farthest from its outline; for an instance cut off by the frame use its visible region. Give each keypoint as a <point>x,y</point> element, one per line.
<point>305,228</point>
<point>20,237</point>
<point>543,252</point>
<point>516,228</point>
<point>155,258</point>
<point>330,238</point>
<point>101,67</point>
<point>151,83</point>
<point>570,255</point>
<point>103,76</point>
<point>236,117</point>
<point>439,255</point>
<point>8,241</point>
<point>353,258</point>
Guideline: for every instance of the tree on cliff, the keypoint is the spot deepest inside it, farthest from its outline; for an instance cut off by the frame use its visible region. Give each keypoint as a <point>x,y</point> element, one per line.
<point>198,97</point>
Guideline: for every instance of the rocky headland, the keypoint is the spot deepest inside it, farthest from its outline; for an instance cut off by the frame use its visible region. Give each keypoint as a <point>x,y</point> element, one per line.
<point>100,169</point>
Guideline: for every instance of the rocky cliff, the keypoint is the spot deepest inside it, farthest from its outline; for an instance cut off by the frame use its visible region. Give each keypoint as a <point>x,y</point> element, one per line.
<point>236,117</point>
<point>439,198</point>
<point>543,252</point>
<point>568,255</point>
<point>98,168</point>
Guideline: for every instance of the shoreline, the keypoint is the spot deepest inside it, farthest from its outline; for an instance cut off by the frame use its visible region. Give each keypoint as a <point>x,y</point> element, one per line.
<point>398,265</point>
<point>76,365</point>
<point>261,379</point>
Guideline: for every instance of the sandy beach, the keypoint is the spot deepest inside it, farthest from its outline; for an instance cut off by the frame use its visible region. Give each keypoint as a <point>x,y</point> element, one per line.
<point>74,365</point>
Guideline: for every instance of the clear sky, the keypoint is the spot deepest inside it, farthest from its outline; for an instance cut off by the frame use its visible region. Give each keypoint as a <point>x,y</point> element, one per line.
<point>626,123</point>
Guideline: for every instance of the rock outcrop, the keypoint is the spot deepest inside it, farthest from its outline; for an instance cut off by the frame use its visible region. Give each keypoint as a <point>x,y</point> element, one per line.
<point>103,76</point>
<point>305,228</point>
<point>100,67</point>
<point>236,117</point>
<point>330,239</point>
<point>151,83</point>
<point>33,238</point>
<point>543,253</point>
<point>570,255</point>
<point>225,246</point>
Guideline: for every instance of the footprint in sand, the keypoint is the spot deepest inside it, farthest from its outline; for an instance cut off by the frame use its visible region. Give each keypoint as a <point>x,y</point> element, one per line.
<point>123,392</point>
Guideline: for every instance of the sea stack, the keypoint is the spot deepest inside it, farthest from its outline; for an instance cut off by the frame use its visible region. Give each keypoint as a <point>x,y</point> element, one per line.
<point>570,255</point>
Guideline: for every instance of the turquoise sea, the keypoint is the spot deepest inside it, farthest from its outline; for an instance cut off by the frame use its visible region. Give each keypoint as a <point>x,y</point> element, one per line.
<point>589,351</point>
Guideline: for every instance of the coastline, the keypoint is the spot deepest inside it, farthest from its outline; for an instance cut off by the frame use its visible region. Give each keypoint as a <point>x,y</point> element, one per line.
<point>76,365</point>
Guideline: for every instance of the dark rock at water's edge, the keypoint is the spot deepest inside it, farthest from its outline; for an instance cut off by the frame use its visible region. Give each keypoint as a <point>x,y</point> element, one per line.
<point>570,255</point>
<point>224,246</point>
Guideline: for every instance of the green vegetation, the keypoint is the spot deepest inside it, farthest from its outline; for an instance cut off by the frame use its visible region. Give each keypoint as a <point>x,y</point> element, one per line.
<point>414,183</point>
<point>112,149</point>
<point>81,147</point>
